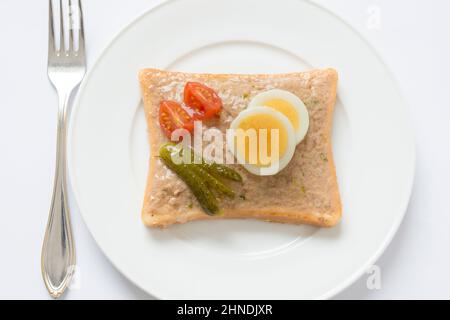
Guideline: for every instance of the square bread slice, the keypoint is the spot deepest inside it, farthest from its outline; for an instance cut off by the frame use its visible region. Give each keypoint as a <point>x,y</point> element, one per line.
<point>305,191</point>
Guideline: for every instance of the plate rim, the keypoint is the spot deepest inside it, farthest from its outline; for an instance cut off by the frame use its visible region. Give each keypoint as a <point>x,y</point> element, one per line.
<point>404,202</point>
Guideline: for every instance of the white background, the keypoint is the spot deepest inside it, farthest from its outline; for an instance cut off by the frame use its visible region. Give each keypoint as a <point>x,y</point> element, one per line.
<point>413,39</point>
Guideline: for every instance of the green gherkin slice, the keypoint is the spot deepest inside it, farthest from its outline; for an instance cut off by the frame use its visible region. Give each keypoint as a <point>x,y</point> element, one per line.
<point>222,171</point>
<point>212,181</point>
<point>215,168</point>
<point>197,185</point>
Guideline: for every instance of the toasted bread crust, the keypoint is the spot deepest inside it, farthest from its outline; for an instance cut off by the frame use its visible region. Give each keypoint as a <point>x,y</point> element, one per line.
<point>167,199</point>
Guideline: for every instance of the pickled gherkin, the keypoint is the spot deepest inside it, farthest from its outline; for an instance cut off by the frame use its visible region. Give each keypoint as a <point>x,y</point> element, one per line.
<point>213,182</point>
<point>222,171</point>
<point>200,176</point>
<point>215,168</point>
<point>197,185</point>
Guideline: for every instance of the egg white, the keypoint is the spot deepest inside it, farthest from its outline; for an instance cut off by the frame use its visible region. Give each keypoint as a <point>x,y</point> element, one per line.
<point>284,159</point>
<point>296,102</point>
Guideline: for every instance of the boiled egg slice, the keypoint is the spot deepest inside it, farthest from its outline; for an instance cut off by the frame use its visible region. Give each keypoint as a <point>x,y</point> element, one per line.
<point>288,104</point>
<point>262,140</point>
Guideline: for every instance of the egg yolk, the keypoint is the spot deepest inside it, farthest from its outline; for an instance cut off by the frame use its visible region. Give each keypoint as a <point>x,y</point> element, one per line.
<point>285,108</point>
<point>249,140</point>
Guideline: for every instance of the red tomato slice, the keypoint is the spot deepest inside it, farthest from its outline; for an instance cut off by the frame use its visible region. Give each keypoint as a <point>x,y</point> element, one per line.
<point>172,116</point>
<point>202,99</point>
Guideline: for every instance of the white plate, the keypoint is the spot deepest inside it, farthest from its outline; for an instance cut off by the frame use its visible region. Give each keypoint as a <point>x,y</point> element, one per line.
<point>372,141</point>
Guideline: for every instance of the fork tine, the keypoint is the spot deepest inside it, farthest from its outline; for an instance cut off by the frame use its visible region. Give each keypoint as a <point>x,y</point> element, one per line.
<point>51,31</point>
<point>61,30</point>
<point>71,25</point>
<point>81,33</point>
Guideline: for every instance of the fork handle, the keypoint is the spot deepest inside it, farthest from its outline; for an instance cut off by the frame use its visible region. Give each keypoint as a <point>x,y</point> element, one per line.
<point>58,251</point>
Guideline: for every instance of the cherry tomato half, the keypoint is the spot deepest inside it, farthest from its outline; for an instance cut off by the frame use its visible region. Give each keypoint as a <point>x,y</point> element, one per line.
<point>204,100</point>
<point>172,116</point>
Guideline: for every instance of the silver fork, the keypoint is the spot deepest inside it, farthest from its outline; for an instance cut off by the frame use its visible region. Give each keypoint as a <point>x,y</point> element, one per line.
<point>66,69</point>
